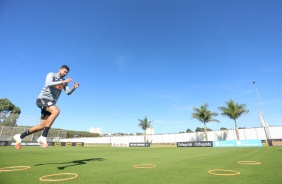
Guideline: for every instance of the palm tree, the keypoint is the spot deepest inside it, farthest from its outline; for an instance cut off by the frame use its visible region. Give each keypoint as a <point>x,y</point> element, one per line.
<point>144,124</point>
<point>234,111</point>
<point>204,115</point>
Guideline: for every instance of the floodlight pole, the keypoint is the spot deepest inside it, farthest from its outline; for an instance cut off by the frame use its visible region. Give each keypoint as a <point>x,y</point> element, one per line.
<point>110,131</point>
<point>265,123</point>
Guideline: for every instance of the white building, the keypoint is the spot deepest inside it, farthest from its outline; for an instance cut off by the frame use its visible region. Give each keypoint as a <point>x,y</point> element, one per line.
<point>96,130</point>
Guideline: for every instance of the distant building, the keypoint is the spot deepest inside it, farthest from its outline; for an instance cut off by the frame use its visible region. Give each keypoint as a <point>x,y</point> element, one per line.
<point>96,130</point>
<point>150,131</point>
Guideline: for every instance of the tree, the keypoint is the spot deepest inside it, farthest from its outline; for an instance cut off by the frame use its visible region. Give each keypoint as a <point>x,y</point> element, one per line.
<point>204,115</point>
<point>234,111</point>
<point>198,129</point>
<point>223,128</point>
<point>189,130</point>
<point>144,124</point>
<point>9,113</point>
<point>76,134</point>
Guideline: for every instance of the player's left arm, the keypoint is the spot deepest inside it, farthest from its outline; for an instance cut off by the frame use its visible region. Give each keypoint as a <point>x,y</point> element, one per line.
<point>68,90</point>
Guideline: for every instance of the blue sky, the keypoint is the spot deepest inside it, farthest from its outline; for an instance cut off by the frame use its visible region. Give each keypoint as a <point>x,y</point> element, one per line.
<point>154,58</point>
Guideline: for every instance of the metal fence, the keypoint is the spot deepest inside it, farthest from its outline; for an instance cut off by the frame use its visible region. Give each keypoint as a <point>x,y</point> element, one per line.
<point>7,133</point>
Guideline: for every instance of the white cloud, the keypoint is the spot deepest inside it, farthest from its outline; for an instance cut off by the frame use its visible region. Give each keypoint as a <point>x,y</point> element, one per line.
<point>121,61</point>
<point>22,57</point>
<point>182,107</point>
<point>270,70</point>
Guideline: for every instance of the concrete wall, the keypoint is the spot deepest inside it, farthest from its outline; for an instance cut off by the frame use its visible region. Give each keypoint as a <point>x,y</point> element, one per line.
<point>245,134</point>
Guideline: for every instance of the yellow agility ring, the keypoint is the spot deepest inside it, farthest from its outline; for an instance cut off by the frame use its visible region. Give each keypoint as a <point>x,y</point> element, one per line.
<point>43,178</point>
<point>14,168</point>
<point>249,162</point>
<point>145,166</point>
<point>222,172</point>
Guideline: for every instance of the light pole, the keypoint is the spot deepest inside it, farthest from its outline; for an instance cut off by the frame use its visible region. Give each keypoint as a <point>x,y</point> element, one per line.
<point>264,121</point>
<point>110,130</point>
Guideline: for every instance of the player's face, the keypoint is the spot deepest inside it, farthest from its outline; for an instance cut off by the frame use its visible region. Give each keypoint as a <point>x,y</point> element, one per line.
<point>63,72</point>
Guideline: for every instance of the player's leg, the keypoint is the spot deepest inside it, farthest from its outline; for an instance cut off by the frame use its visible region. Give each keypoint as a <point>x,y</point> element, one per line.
<point>53,112</point>
<point>39,127</point>
<point>42,104</point>
<point>18,140</point>
<point>19,137</point>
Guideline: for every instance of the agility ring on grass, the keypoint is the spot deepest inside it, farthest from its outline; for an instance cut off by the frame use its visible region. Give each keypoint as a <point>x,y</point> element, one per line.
<point>145,166</point>
<point>43,178</point>
<point>222,172</point>
<point>14,168</point>
<point>249,162</point>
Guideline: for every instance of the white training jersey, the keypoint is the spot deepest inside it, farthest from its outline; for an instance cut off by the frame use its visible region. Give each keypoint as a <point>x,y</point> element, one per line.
<point>53,87</point>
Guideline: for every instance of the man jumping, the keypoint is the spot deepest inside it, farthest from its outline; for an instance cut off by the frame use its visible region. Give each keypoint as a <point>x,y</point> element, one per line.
<point>46,101</point>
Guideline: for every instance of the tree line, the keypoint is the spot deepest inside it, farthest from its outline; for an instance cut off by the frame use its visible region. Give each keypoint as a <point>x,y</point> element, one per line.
<point>232,110</point>
<point>9,113</point>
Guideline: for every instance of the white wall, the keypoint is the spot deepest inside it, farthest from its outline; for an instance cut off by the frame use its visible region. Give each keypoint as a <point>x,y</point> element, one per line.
<point>250,133</point>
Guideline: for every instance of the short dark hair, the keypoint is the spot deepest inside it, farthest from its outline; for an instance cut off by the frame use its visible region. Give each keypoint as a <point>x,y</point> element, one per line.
<point>65,67</point>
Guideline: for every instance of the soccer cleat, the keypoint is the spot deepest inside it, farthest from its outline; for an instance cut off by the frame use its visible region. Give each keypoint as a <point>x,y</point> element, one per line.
<point>18,140</point>
<point>42,141</point>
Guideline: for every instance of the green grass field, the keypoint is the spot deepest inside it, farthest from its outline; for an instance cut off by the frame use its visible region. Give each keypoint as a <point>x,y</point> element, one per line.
<point>105,164</point>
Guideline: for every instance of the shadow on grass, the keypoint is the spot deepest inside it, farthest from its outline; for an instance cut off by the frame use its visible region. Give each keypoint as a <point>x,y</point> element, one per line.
<point>73,163</point>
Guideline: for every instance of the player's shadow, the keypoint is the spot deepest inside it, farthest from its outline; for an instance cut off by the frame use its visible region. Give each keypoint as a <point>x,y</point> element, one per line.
<point>73,163</point>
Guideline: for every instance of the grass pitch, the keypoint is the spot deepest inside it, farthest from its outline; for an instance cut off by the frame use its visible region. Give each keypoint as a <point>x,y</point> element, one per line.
<point>105,164</point>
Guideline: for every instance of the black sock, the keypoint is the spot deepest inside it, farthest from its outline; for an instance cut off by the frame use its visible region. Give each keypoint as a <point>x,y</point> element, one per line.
<point>23,135</point>
<point>45,131</point>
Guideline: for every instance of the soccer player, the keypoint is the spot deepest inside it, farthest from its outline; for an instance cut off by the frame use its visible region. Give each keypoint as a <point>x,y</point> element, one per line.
<point>46,101</point>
